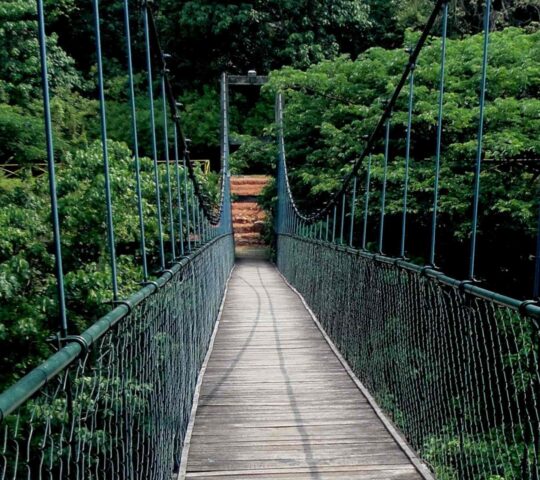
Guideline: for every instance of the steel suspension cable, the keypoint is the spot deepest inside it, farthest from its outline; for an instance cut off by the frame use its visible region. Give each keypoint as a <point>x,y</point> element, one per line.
<point>536,285</point>
<point>167,166</point>
<point>480,145</point>
<point>384,181</point>
<point>103,124</point>
<point>381,124</point>
<point>212,213</point>
<point>57,239</point>
<point>342,228</point>
<point>353,208</point>
<point>366,203</point>
<point>178,190</point>
<point>136,159</point>
<point>444,28</point>
<point>407,164</point>
<point>153,138</point>
<point>186,202</point>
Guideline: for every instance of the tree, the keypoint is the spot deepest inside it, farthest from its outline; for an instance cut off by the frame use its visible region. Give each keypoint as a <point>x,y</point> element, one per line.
<point>333,105</point>
<point>213,36</point>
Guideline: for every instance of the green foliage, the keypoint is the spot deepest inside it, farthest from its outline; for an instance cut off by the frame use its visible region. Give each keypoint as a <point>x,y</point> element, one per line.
<point>332,106</point>
<point>26,281</point>
<point>20,77</point>
<point>254,156</point>
<point>471,454</point>
<point>21,118</point>
<point>22,136</point>
<point>28,309</point>
<point>259,34</point>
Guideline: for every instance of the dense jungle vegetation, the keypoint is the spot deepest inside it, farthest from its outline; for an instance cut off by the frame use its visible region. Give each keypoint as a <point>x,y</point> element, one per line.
<point>336,60</point>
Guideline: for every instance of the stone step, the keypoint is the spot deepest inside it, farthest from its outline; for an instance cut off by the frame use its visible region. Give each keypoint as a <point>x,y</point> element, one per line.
<point>245,206</point>
<point>249,180</point>
<point>250,227</point>
<point>248,220</point>
<point>248,185</point>
<point>247,190</point>
<point>248,217</point>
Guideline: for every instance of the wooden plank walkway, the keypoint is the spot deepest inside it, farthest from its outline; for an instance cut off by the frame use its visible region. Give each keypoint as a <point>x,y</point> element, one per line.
<point>276,402</point>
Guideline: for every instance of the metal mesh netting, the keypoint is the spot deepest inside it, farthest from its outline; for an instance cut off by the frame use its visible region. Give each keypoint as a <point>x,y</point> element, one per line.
<point>457,373</point>
<point>122,409</point>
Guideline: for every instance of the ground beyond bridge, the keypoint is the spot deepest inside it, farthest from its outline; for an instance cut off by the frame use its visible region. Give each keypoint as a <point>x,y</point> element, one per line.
<point>276,402</point>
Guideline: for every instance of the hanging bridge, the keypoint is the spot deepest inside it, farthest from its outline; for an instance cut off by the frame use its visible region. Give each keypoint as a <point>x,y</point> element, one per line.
<point>337,361</point>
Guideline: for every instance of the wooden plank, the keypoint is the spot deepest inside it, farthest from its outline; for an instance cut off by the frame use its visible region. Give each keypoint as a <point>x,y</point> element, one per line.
<point>277,403</point>
<point>351,471</point>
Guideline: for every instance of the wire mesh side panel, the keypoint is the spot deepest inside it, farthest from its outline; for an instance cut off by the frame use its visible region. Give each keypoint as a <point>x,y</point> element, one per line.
<point>122,410</point>
<point>458,374</point>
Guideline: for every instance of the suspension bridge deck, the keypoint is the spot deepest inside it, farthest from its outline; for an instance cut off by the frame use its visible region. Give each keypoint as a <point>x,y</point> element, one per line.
<point>276,402</point>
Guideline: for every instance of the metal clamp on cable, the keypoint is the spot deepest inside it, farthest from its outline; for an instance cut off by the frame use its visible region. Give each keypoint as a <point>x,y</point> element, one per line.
<point>468,298</point>
<point>379,257</point>
<point>523,306</point>
<point>62,341</point>
<point>126,303</point>
<point>464,283</point>
<point>425,269</point>
<point>412,63</point>
<point>77,339</point>
<point>150,282</point>
<point>397,262</point>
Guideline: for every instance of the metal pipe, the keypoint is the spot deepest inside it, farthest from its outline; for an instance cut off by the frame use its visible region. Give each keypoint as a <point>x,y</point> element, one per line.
<point>27,386</point>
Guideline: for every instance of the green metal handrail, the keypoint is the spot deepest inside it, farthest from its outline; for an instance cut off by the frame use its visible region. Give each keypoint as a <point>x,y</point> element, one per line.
<point>31,383</point>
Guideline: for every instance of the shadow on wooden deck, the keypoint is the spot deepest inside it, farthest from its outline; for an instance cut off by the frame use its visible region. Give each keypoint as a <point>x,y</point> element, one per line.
<point>276,402</point>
